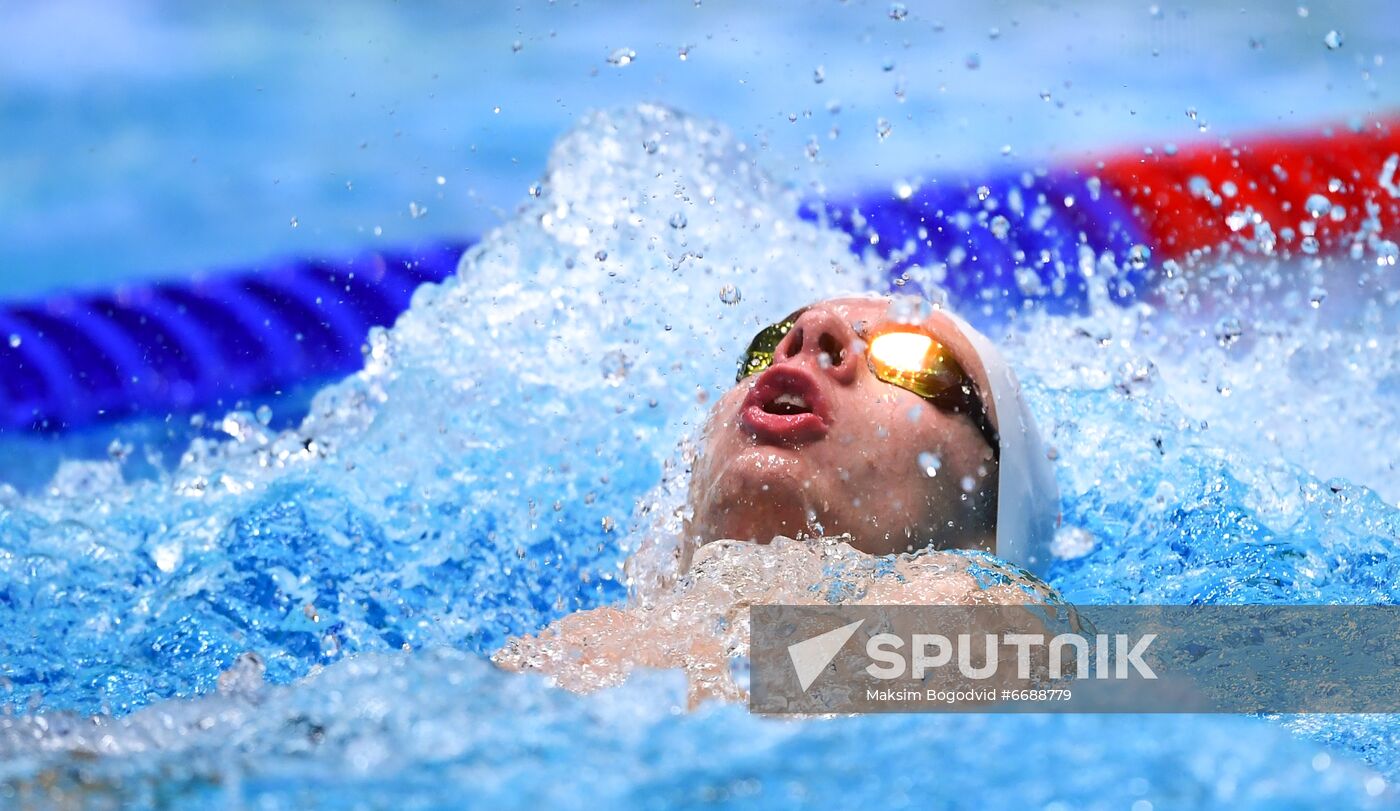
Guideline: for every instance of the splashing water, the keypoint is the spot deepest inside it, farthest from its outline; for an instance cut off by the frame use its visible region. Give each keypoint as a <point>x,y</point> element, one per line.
<point>499,457</point>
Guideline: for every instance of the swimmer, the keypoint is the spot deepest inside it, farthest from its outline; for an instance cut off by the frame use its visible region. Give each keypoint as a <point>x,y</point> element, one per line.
<point>857,428</point>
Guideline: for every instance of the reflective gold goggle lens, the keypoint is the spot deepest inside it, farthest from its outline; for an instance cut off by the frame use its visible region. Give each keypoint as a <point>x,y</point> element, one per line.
<point>915,361</point>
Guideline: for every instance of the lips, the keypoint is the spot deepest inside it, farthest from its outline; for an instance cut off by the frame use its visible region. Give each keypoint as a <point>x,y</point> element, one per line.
<point>786,407</point>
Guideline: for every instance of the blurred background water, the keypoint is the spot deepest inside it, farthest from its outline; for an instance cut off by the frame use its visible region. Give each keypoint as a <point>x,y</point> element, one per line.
<point>144,140</point>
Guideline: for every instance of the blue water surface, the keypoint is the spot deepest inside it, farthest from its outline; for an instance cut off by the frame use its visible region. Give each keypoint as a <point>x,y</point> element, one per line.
<point>498,458</point>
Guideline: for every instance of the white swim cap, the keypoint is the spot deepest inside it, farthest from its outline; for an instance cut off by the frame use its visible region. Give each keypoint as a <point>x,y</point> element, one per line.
<point>1028,499</point>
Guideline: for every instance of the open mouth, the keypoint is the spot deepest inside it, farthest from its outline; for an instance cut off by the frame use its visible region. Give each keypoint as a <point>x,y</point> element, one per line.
<point>785,407</point>
<point>787,403</point>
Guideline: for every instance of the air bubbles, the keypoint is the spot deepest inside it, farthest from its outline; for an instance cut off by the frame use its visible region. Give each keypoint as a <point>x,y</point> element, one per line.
<point>622,57</point>
<point>898,11</point>
<point>417,211</point>
<point>263,414</point>
<point>729,294</point>
<point>295,223</point>
<point>601,255</point>
<point>818,74</point>
<point>929,463</point>
<point>883,128</point>
<point>15,340</point>
<point>983,193</point>
<point>1138,256</point>
<point>1333,40</point>
<point>678,220</point>
<point>1000,226</point>
<point>517,46</point>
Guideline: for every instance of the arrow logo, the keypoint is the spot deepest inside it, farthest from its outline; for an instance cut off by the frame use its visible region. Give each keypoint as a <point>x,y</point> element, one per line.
<point>810,657</point>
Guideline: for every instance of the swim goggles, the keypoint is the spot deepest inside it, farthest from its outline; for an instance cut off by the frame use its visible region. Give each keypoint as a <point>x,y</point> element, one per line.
<point>903,355</point>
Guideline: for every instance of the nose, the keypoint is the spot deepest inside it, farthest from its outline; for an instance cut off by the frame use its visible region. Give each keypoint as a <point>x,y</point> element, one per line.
<point>825,340</point>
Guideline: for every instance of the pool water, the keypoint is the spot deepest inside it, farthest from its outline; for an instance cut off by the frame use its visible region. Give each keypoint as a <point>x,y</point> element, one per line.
<point>525,425</point>
<point>499,455</point>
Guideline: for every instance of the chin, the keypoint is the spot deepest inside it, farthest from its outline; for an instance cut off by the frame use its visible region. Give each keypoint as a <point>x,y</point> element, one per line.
<point>757,495</point>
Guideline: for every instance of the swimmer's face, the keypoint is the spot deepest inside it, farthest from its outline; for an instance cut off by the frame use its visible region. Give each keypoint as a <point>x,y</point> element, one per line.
<point>859,463</point>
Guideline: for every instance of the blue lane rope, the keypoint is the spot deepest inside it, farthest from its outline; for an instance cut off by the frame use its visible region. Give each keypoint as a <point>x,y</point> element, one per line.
<point>176,346</point>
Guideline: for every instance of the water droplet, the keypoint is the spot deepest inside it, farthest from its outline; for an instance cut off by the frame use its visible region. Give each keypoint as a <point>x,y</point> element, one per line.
<point>813,148</point>
<point>1000,226</point>
<point>1138,256</point>
<point>1191,113</point>
<point>15,341</point>
<point>1006,150</point>
<point>622,57</point>
<point>683,53</point>
<point>882,128</point>
<point>1309,245</point>
<point>615,366</point>
<point>729,294</point>
<point>898,11</point>
<point>264,414</point>
<point>1045,95</point>
<point>1333,40</point>
<point>601,255</point>
<point>983,192</point>
<point>441,181</point>
<point>536,190</point>
<point>819,74</point>
<point>1317,205</point>
<point>416,211</point>
<point>678,220</point>
<point>1387,253</point>
<point>496,109</point>
<point>973,61</point>
<point>1228,331</point>
<point>929,463</point>
<point>295,223</point>
<point>516,46</point>
<point>968,484</point>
